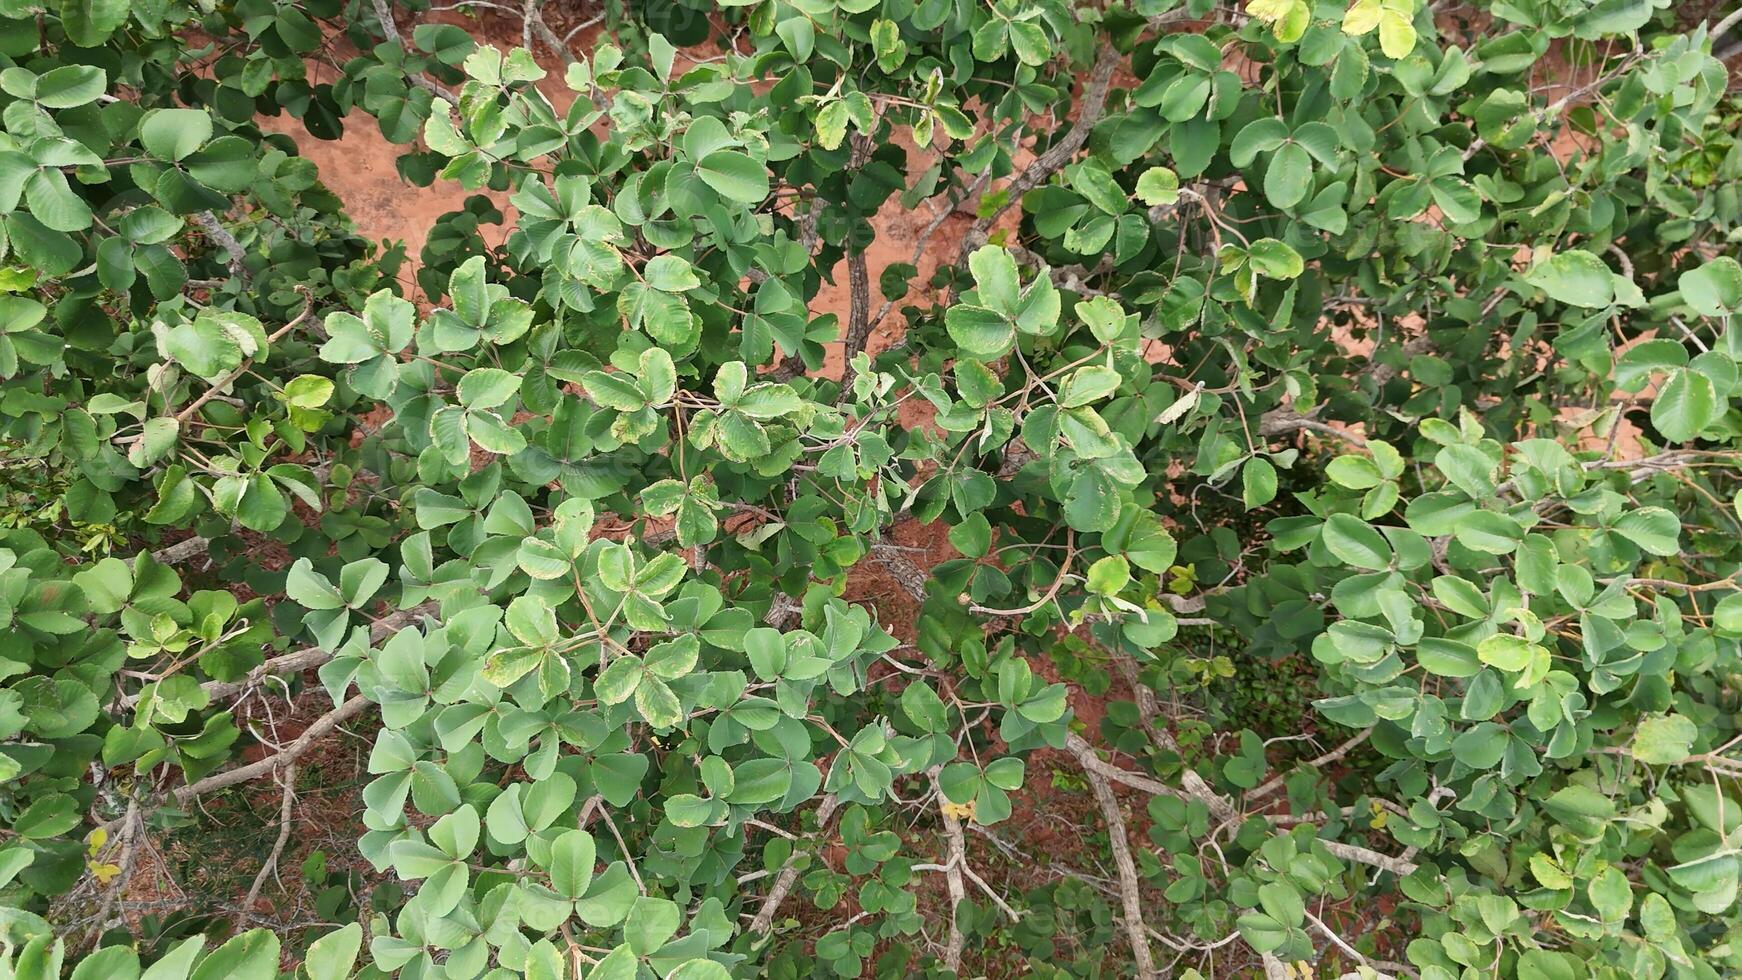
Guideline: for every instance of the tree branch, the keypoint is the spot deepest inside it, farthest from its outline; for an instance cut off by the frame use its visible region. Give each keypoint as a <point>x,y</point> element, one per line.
<point>1196,788</point>
<point>858,287</point>
<point>952,871</point>
<point>535,25</point>
<point>1370,857</point>
<point>1056,155</point>
<point>763,923</point>
<point>181,551</point>
<point>1136,932</point>
<point>1282,421</point>
<point>132,825</point>
<point>221,237</point>
<point>297,661</point>
<point>272,763</point>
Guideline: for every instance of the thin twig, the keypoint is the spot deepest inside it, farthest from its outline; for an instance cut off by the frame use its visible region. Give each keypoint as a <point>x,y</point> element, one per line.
<point>132,825</point>
<point>1275,782</point>
<point>224,382</point>
<point>763,923</point>
<point>288,778</point>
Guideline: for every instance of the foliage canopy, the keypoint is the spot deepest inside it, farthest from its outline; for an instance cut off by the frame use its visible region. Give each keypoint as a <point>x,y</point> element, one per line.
<point>1387,340</point>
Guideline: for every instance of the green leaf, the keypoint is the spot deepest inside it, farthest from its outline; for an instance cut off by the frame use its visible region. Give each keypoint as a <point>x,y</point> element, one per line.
<point>1715,288</point>
<point>1275,259</point>
<point>657,704</point>
<point>310,589</point>
<point>572,855</point>
<point>1611,895</point>
<point>1108,575</point>
<point>1355,542</point>
<point>1727,615</point>
<point>1257,482</point>
<point>173,134</point>
<point>617,682</point>
<point>1354,472</point>
<point>613,391</point>
<point>332,956</point>
<point>922,705</point>
<point>995,278</point>
<point>1666,740</point>
<point>1685,405</point>
<point>651,922</point>
<point>700,970</point>
<point>1261,135</point>
<point>832,125</point>
<point>1577,278</point>
<point>308,391</point>
<point>1087,385</point>
<point>251,956</point>
<point>1158,186</point>
<point>106,585</point>
<point>980,332</point>
<point>735,176</point>
<point>1653,529</point>
<point>670,273</point>
<point>1289,177</point>
<point>88,23</point>
<point>1507,652</point>
<point>204,347</point>
<point>487,387</point>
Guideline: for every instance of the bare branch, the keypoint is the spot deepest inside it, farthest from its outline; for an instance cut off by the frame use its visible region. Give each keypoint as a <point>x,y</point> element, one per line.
<point>535,25</point>
<point>1136,932</point>
<point>858,287</point>
<point>221,237</point>
<point>132,825</point>
<point>1275,782</point>
<point>1370,857</point>
<point>288,777</point>
<point>1196,788</point>
<point>909,576</point>
<point>763,923</point>
<point>181,551</point>
<point>297,661</point>
<point>272,763</point>
<point>1283,421</point>
<point>1056,155</point>
<point>952,870</point>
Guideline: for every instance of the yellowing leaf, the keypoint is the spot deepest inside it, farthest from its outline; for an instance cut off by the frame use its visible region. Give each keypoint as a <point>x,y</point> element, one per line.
<point>1361,18</point>
<point>1396,35</point>
<point>961,811</point>
<point>1288,19</point>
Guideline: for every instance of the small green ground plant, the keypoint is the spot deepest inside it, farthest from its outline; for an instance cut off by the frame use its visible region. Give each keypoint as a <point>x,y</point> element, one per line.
<point>1381,349</point>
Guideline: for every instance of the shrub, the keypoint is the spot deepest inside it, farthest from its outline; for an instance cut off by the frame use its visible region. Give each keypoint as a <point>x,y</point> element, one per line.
<point>1390,344</point>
